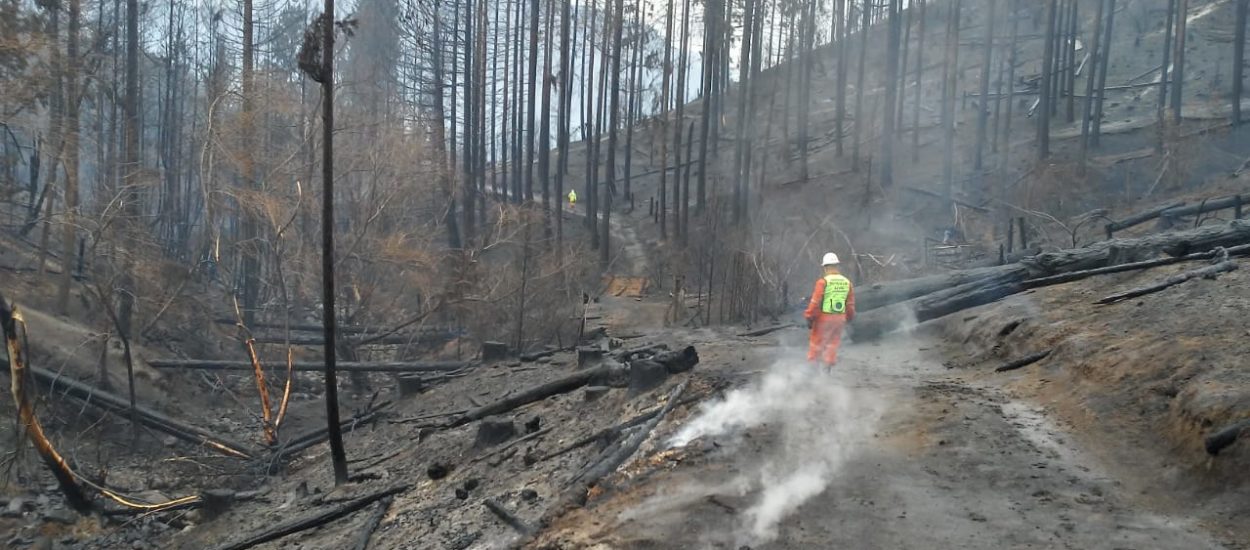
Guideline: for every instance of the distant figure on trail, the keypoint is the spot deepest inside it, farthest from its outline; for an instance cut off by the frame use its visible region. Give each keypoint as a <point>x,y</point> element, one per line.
<point>832,306</point>
<point>572,199</point>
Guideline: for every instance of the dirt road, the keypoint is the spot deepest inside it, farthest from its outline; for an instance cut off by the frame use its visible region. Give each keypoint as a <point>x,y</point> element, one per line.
<point>892,450</point>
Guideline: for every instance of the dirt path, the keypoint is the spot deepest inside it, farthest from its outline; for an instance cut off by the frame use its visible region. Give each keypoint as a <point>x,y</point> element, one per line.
<point>890,451</point>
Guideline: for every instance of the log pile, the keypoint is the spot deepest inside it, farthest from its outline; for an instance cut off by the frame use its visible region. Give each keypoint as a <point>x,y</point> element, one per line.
<point>887,307</point>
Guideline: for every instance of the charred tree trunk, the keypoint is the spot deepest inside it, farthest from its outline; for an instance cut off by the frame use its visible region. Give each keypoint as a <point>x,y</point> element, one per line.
<point>605,251</point>
<point>440,135</point>
<point>634,100</point>
<point>915,122</point>
<point>949,93</point>
<point>840,34</point>
<point>1178,71</point>
<point>741,174</point>
<point>337,454</point>
<point>1043,106</point>
<point>1239,56</point>
<point>861,84</point>
<point>1103,67</point>
<point>1161,114</point>
<point>711,47</point>
<point>807,60</point>
<point>467,190</point>
<point>666,70</point>
<point>891,94</point>
<point>1094,63</point>
<point>531,102</point>
<point>680,197</point>
<point>544,129</point>
<point>1005,162</point>
<point>250,236</point>
<point>68,239</point>
<point>983,111</point>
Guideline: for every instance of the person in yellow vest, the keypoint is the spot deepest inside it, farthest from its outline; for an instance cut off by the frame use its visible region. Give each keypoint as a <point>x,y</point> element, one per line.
<point>572,198</point>
<point>832,306</point>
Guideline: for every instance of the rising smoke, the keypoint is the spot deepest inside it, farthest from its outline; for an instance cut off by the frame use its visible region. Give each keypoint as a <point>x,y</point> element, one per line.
<point>818,419</point>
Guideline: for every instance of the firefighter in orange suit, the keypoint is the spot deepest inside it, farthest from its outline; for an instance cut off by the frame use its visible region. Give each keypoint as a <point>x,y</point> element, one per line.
<point>832,306</point>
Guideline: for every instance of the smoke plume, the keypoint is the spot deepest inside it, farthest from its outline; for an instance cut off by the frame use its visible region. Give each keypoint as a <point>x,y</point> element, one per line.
<point>814,419</point>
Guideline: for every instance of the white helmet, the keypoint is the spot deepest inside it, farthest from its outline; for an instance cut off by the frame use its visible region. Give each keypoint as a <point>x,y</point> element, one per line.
<point>829,259</point>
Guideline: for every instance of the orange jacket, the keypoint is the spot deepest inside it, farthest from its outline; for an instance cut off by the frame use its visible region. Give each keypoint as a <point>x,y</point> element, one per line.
<point>818,295</point>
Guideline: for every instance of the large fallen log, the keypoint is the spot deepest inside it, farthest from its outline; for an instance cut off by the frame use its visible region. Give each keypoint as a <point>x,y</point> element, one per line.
<point>395,340</point>
<point>934,297</point>
<point>316,519</point>
<point>318,328</point>
<point>107,401</point>
<point>883,294</point>
<point>1133,266</point>
<point>1117,251</point>
<point>1203,207</point>
<point>1209,272</point>
<point>536,393</point>
<point>874,324</point>
<point>1140,218</point>
<point>314,366</point>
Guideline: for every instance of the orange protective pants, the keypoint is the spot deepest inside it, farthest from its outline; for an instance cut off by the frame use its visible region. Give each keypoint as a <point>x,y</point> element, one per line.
<point>825,338</point>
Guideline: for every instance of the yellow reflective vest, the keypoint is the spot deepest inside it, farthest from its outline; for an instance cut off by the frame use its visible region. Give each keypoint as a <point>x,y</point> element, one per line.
<point>837,289</point>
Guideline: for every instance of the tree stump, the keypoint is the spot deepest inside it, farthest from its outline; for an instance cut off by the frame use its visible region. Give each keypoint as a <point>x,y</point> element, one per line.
<point>492,431</point>
<point>646,375</point>
<point>494,351</point>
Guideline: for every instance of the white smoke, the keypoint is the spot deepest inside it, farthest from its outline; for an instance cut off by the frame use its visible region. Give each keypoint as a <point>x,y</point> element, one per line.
<point>818,420</point>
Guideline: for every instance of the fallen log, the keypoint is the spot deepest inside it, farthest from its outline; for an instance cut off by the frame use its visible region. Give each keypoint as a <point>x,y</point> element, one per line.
<point>606,433</point>
<point>1222,438</point>
<point>319,435</point>
<point>371,525</point>
<point>883,294</point>
<point>765,331</point>
<point>1078,275</point>
<point>1023,361</point>
<point>397,340</point>
<point>535,393</point>
<point>875,324</point>
<point>1117,251</point>
<point>313,520</point>
<point>627,354</point>
<point>534,356</point>
<point>106,401</point>
<point>1203,207</point>
<point>1209,272</point>
<point>615,458</point>
<point>351,329</point>
<point>508,517</point>
<point>1140,218</point>
<point>678,361</point>
<point>314,366</point>
<point>426,417</point>
<point>934,297</point>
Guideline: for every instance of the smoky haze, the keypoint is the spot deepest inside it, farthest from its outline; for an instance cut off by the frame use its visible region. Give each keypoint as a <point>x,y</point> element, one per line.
<point>816,421</point>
